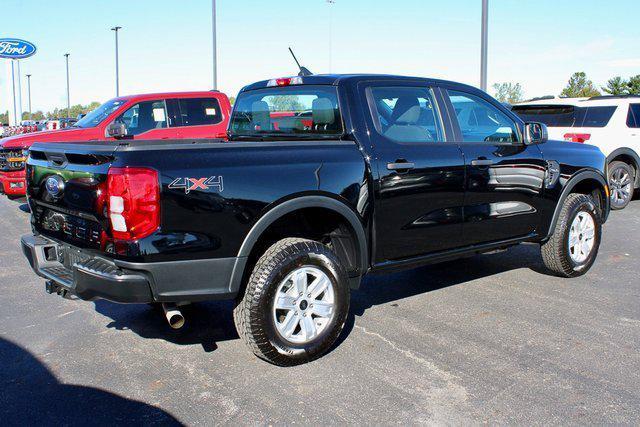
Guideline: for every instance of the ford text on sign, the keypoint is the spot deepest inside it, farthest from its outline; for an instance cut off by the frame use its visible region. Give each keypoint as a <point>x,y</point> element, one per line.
<point>16,48</point>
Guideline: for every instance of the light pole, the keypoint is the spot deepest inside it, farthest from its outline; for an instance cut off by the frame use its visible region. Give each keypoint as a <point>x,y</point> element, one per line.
<point>66,56</point>
<point>29,94</point>
<point>330,3</point>
<point>115,29</point>
<point>215,43</point>
<point>484,41</point>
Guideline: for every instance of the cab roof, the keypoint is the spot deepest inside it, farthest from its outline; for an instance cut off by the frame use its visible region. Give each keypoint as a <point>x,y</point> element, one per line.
<point>149,96</point>
<point>338,79</point>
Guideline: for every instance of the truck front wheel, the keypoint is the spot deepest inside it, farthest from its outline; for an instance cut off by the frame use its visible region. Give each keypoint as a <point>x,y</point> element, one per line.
<point>295,303</point>
<point>572,248</point>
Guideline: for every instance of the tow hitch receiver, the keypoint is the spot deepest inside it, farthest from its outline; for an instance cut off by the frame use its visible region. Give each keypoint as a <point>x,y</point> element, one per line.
<point>53,288</point>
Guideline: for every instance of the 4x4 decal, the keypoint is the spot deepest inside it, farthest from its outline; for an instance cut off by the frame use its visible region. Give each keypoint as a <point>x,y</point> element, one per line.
<point>192,184</point>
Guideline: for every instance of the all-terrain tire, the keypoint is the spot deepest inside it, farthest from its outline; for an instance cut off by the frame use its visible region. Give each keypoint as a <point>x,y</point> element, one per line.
<point>556,252</point>
<point>254,315</point>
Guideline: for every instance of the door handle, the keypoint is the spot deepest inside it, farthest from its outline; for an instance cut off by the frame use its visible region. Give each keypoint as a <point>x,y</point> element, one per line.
<point>398,166</point>
<point>481,162</point>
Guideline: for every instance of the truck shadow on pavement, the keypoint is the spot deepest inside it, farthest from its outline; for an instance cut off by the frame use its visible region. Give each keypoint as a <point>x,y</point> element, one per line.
<point>212,322</point>
<point>383,289</point>
<point>32,395</point>
<point>206,323</point>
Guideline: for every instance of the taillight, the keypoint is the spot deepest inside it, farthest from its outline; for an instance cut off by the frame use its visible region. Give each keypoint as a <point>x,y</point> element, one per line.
<point>285,81</point>
<point>133,202</point>
<point>577,137</point>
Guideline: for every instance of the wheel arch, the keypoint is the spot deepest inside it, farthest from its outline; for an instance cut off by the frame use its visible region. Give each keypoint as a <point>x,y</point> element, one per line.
<point>584,182</point>
<point>628,156</point>
<point>292,206</point>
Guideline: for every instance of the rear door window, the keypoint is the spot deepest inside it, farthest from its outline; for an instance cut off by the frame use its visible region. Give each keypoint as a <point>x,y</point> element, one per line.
<point>195,112</point>
<point>633,116</point>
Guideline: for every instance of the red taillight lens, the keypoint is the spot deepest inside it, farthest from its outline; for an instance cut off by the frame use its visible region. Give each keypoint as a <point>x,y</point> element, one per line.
<point>577,137</point>
<point>133,202</point>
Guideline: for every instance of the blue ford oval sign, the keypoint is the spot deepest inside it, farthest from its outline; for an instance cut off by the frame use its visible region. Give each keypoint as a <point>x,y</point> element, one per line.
<point>16,48</point>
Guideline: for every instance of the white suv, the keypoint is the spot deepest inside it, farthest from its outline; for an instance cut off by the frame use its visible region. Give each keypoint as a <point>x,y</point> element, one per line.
<point>611,123</point>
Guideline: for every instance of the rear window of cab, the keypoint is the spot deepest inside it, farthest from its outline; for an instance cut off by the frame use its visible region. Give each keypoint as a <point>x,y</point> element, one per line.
<point>310,110</point>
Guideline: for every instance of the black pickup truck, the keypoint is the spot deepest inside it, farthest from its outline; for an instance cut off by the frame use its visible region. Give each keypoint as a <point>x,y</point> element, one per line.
<point>323,179</point>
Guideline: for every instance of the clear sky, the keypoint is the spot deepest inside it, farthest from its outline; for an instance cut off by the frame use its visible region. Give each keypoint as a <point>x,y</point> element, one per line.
<point>165,45</point>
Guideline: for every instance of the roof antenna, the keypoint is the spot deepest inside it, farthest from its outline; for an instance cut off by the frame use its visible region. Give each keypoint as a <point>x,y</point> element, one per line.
<point>303,70</point>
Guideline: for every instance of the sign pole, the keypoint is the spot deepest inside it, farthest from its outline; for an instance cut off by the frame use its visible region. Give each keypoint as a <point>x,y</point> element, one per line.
<point>13,89</point>
<point>19,92</point>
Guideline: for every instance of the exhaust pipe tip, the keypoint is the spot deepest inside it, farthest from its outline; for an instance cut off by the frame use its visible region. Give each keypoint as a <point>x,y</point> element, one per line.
<point>174,316</point>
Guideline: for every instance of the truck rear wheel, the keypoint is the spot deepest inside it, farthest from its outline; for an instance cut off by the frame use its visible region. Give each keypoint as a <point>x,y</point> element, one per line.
<point>295,303</point>
<point>573,247</point>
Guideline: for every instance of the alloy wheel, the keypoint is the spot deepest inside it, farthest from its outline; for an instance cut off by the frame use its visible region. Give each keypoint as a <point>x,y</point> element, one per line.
<point>304,305</point>
<point>581,237</point>
<point>621,187</point>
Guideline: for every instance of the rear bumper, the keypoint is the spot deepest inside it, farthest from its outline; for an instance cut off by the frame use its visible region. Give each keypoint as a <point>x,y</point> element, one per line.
<point>13,183</point>
<point>92,277</point>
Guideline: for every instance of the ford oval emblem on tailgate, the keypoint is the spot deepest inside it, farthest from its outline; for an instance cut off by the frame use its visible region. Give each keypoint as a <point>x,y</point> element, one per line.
<point>55,186</point>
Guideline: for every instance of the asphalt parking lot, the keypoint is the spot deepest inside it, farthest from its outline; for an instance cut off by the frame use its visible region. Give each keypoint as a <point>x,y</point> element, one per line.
<point>485,339</point>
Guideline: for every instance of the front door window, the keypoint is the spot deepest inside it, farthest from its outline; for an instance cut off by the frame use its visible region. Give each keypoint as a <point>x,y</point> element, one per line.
<point>143,117</point>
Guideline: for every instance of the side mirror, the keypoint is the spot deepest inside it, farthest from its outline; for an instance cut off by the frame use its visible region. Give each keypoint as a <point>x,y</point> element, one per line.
<point>535,133</point>
<point>116,130</point>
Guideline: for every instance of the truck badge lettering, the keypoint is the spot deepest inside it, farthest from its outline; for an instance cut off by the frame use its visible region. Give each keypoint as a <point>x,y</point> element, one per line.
<point>191,184</point>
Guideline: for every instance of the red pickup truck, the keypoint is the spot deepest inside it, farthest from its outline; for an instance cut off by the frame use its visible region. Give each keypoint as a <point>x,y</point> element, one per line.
<point>179,115</point>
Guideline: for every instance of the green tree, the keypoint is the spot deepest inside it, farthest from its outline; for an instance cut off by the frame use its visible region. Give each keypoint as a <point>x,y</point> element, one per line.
<point>285,103</point>
<point>508,92</point>
<point>92,106</point>
<point>616,86</point>
<point>4,118</point>
<point>579,87</point>
<point>633,85</point>
<point>75,110</point>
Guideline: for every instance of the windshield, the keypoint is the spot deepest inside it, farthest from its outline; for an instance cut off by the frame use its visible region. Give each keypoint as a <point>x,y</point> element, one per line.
<point>565,115</point>
<point>95,117</point>
<point>298,111</point>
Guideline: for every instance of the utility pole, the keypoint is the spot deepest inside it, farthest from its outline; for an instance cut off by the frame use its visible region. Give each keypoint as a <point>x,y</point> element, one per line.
<point>29,95</point>
<point>215,45</point>
<point>484,41</point>
<point>330,3</point>
<point>115,29</point>
<point>66,56</point>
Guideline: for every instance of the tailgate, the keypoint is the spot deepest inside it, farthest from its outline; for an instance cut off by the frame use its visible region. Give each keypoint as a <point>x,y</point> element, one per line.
<point>66,186</point>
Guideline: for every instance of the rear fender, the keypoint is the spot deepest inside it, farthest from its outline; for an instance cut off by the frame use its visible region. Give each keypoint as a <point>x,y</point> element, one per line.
<point>293,205</point>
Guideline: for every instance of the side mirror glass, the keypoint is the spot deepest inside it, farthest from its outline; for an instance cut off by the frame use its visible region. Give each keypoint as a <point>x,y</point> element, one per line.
<point>535,133</point>
<point>116,130</point>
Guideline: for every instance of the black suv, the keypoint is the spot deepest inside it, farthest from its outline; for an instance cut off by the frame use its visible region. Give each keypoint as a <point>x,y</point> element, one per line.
<point>323,180</point>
